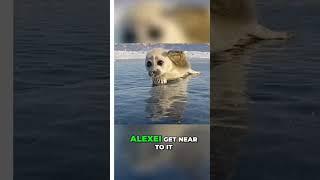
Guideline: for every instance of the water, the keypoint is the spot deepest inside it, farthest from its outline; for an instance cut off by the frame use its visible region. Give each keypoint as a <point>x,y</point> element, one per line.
<point>137,102</point>
<point>61,89</point>
<point>266,108</point>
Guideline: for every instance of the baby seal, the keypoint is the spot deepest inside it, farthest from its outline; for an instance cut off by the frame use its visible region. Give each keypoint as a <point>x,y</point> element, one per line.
<point>164,66</point>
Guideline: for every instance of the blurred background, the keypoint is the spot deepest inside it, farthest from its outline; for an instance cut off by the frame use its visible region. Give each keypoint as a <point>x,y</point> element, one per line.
<point>141,161</point>
<point>162,21</point>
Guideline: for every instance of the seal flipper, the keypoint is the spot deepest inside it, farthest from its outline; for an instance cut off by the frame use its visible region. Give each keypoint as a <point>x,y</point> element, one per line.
<point>261,32</point>
<point>193,72</point>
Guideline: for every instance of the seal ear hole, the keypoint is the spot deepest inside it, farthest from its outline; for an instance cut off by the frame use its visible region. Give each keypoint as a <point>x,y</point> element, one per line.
<point>160,63</point>
<point>149,64</point>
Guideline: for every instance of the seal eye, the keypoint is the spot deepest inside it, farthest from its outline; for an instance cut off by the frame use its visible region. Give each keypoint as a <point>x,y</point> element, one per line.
<point>129,36</point>
<point>149,64</point>
<point>154,33</point>
<point>160,63</point>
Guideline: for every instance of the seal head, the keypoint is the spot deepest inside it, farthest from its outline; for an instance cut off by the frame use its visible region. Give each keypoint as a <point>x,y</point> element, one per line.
<point>163,65</point>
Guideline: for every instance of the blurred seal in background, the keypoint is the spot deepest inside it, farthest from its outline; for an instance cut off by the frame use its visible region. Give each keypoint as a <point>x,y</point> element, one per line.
<point>159,22</point>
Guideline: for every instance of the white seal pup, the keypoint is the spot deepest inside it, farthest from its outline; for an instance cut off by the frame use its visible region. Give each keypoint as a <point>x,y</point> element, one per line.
<point>164,66</point>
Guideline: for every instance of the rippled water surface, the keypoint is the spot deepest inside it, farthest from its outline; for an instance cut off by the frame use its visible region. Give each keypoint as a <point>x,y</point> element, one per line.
<point>137,102</point>
<point>266,110</point>
<point>61,92</point>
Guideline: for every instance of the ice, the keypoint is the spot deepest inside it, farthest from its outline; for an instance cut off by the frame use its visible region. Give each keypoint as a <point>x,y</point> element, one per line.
<point>142,54</point>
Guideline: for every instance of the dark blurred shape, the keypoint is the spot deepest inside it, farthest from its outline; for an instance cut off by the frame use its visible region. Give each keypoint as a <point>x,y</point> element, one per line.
<point>235,25</point>
<point>229,111</point>
<point>129,36</point>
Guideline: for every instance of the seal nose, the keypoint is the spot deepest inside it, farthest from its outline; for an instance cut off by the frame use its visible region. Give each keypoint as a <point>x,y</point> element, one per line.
<point>154,73</point>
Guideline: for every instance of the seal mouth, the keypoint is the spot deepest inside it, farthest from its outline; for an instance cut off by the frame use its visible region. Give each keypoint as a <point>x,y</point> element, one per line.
<point>154,73</point>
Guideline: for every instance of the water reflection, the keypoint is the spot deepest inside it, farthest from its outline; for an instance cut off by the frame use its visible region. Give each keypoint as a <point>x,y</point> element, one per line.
<point>229,107</point>
<point>168,101</point>
<point>142,161</point>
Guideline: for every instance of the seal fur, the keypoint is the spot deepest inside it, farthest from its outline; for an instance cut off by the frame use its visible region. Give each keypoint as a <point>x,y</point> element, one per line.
<point>164,66</point>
